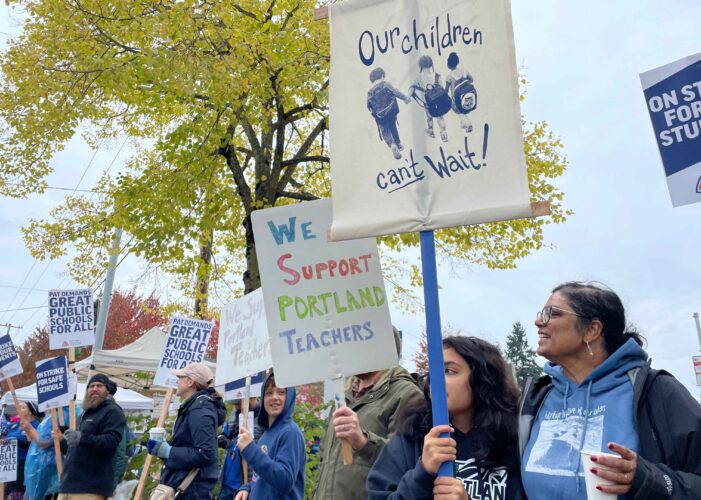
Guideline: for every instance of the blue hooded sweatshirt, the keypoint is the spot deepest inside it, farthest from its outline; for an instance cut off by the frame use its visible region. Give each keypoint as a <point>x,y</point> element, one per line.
<point>279,457</point>
<point>580,417</point>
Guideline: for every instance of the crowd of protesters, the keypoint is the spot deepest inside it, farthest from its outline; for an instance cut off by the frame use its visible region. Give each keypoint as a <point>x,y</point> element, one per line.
<point>598,393</point>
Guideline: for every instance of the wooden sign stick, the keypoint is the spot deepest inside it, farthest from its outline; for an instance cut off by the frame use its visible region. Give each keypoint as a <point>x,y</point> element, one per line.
<point>346,448</point>
<point>71,403</point>
<point>147,462</point>
<point>57,442</point>
<point>244,413</point>
<point>11,386</point>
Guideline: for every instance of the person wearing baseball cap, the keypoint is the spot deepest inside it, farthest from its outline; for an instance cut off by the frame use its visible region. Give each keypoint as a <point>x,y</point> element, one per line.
<point>88,471</point>
<point>194,441</point>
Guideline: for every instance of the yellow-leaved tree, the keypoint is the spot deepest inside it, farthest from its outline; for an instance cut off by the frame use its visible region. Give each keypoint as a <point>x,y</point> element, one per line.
<point>225,106</point>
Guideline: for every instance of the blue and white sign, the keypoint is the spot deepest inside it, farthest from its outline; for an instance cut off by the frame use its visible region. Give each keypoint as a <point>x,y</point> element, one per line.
<point>52,383</point>
<point>237,388</point>
<point>673,96</point>
<point>71,318</point>
<point>8,461</point>
<point>9,361</point>
<point>186,343</point>
<point>424,116</point>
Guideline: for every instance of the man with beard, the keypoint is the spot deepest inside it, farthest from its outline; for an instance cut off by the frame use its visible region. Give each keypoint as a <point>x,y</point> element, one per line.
<point>88,472</point>
<point>373,401</point>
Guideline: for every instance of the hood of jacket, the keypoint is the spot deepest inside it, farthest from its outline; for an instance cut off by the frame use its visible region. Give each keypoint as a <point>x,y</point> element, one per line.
<point>205,396</point>
<point>287,411</point>
<point>612,373</point>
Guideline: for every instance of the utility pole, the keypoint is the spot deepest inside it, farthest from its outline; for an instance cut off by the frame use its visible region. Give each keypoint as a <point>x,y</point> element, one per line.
<point>698,328</point>
<point>9,327</point>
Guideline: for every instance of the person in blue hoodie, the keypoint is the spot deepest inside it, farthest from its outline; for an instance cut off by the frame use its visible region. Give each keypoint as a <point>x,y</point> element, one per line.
<point>279,457</point>
<point>599,394</point>
<point>194,441</point>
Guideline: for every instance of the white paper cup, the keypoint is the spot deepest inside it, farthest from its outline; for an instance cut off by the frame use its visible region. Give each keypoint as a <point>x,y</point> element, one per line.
<point>157,433</point>
<point>592,480</point>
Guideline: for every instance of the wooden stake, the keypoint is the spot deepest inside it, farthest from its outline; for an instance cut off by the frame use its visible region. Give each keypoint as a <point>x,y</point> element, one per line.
<point>71,403</point>
<point>339,389</point>
<point>57,442</point>
<point>244,413</point>
<point>11,386</point>
<point>147,462</point>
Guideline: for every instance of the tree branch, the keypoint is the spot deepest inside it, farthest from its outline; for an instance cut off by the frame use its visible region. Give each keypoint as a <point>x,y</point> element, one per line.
<point>296,196</point>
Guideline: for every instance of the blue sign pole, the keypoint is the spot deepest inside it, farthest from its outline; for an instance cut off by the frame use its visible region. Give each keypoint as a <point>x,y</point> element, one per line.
<point>434,339</point>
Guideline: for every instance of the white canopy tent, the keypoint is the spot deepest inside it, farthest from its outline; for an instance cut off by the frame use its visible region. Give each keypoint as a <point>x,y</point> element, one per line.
<point>129,400</point>
<point>121,365</point>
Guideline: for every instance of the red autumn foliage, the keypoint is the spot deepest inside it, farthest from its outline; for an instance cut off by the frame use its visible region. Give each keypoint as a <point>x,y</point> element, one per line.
<point>130,316</point>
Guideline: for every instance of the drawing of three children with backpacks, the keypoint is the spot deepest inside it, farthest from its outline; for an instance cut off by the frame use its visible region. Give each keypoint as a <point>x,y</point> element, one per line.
<point>459,94</point>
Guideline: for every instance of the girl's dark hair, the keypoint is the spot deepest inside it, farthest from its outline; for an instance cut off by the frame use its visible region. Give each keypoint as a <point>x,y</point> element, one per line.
<point>376,74</point>
<point>494,401</point>
<point>595,301</point>
<point>453,60</point>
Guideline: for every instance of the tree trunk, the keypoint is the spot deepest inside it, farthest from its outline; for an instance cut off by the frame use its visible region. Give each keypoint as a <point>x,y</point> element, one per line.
<point>251,277</point>
<point>203,271</point>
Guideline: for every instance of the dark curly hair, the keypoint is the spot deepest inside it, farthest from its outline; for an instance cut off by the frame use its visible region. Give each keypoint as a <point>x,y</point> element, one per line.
<point>494,401</point>
<point>595,301</point>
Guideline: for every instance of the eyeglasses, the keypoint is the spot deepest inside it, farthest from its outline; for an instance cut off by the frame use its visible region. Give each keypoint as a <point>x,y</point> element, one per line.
<point>546,314</point>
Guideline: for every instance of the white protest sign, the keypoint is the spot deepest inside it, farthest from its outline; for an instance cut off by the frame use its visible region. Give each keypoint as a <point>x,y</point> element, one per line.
<point>325,302</point>
<point>673,95</point>
<point>424,116</point>
<point>697,368</point>
<point>9,361</point>
<point>52,383</point>
<point>8,461</point>
<point>186,343</point>
<point>244,344</point>
<point>71,318</point>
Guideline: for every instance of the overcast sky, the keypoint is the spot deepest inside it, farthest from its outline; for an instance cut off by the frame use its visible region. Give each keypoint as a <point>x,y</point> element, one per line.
<point>582,60</point>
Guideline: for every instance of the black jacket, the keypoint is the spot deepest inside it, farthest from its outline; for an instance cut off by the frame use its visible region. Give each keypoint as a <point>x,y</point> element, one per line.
<point>89,465</point>
<point>398,473</point>
<point>669,428</point>
<point>194,445</point>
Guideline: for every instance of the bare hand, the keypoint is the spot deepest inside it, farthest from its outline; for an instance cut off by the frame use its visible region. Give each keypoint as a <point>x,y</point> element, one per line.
<point>623,469</point>
<point>56,435</point>
<point>347,426</point>
<point>241,495</point>
<point>245,438</point>
<point>449,488</point>
<point>437,449</point>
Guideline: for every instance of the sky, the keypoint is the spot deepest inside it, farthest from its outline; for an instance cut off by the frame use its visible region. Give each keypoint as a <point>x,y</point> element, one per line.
<point>582,62</point>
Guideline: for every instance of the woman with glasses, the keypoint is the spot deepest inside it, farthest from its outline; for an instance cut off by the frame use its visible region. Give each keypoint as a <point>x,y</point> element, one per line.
<point>599,394</point>
<point>482,407</point>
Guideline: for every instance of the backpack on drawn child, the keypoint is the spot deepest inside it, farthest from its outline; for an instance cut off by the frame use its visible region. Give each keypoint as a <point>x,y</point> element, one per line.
<point>464,95</point>
<point>436,99</point>
<point>383,104</point>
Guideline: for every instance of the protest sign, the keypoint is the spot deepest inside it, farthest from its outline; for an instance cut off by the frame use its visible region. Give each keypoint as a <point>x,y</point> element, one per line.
<point>186,343</point>
<point>697,368</point>
<point>71,318</point>
<point>52,383</point>
<point>673,96</point>
<point>409,155</point>
<point>244,345</point>
<point>237,388</point>
<point>9,361</point>
<point>325,301</point>
<point>8,461</point>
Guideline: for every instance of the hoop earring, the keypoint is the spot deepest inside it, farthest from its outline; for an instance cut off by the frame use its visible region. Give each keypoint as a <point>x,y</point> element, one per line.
<point>591,353</point>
